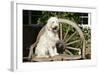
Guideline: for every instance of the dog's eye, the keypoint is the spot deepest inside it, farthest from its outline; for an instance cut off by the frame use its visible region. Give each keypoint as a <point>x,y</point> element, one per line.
<point>53,22</point>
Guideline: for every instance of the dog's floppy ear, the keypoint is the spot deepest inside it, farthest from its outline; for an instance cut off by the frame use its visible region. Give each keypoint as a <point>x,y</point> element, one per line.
<point>48,25</point>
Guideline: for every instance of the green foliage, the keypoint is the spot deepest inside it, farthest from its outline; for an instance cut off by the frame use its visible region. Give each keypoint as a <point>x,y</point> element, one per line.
<point>66,15</point>
<point>87,35</point>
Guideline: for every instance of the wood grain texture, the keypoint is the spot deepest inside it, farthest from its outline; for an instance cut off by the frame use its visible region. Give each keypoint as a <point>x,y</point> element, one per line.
<point>57,58</point>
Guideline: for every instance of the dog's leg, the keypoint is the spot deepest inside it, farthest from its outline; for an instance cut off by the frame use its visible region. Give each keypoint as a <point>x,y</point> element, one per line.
<point>51,52</point>
<point>55,51</point>
<point>42,55</point>
<point>41,52</point>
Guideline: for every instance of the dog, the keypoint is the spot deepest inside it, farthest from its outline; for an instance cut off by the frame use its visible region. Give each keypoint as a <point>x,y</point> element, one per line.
<point>46,47</point>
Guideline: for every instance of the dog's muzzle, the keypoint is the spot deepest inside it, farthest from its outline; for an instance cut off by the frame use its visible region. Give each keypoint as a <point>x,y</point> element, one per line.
<point>55,29</point>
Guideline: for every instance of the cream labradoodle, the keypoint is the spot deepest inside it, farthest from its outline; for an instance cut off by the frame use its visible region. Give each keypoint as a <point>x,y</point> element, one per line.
<point>46,47</point>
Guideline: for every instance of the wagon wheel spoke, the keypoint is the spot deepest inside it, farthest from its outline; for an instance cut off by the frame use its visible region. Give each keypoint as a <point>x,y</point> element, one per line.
<point>70,36</point>
<point>67,51</point>
<point>66,32</point>
<point>73,48</point>
<point>60,31</point>
<point>73,42</point>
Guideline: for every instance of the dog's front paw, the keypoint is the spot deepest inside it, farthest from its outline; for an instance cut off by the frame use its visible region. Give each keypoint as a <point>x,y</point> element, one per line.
<point>56,53</point>
<point>52,55</point>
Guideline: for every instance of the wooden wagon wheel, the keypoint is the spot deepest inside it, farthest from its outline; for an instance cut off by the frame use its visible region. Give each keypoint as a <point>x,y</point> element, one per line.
<point>66,37</point>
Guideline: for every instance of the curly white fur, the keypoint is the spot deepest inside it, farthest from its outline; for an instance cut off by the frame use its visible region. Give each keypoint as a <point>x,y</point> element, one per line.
<point>47,43</point>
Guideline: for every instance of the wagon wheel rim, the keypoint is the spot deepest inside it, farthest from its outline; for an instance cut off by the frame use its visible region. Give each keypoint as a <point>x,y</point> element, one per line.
<point>78,31</point>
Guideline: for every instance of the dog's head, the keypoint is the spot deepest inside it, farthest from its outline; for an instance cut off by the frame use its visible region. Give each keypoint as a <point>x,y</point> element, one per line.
<point>53,24</point>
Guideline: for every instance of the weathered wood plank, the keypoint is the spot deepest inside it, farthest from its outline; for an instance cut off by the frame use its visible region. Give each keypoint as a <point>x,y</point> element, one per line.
<point>57,58</point>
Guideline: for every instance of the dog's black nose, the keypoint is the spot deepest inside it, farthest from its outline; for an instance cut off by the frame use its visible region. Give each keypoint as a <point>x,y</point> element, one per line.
<point>55,28</point>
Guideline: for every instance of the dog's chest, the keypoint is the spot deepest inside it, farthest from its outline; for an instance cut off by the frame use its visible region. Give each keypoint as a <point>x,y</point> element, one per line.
<point>53,37</point>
